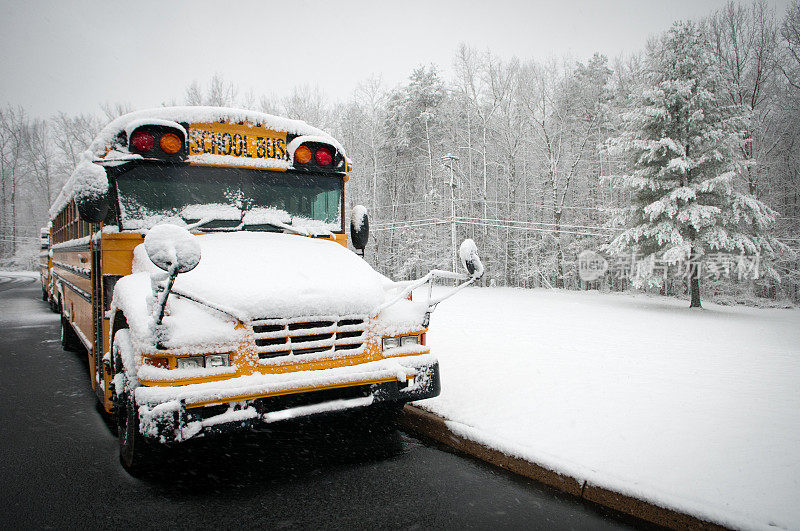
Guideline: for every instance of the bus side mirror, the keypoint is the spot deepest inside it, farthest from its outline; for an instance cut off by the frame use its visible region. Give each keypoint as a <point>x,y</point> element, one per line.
<point>93,209</point>
<point>172,248</point>
<point>468,252</point>
<point>175,250</point>
<point>359,228</point>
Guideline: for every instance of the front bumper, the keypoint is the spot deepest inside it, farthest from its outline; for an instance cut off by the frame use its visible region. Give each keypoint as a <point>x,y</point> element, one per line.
<point>173,414</point>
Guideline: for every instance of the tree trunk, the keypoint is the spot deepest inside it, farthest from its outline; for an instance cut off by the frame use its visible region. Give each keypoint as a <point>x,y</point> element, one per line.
<point>694,280</point>
<point>695,285</point>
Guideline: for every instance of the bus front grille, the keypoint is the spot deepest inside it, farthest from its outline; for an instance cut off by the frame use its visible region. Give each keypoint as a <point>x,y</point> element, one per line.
<point>276,338</point>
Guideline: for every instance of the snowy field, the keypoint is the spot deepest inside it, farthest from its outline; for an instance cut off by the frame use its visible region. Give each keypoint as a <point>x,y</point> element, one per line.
<point>694,410</point>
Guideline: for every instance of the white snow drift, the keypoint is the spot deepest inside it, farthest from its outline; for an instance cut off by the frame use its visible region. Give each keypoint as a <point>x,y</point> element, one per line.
<point>693,410</point>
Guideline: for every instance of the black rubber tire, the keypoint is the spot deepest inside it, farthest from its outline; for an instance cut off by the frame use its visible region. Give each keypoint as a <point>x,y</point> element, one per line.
<point>44,294</point>
<point>69,339</point>
<point>135,452</point>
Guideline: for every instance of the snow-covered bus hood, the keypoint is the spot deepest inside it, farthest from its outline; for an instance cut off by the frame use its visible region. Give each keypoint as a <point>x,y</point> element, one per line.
<point>264,275</point>
<point>255,276</point>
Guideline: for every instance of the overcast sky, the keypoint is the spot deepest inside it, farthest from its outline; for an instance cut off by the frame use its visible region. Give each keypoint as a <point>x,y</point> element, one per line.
<point>73,56</point>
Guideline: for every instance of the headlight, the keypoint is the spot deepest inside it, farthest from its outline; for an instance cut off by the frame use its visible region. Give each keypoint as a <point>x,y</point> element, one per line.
<point>192,362</point>
<point>402,341</point>
<point>391,342</point>
<point>409,340</point>
<point>218,360</point>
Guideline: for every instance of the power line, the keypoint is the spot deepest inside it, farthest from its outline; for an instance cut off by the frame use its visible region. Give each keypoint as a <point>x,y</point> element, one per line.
<point>410,225</point>
<point>384,207</point>
<point>533,229</point>
<point>479,201</point>
<point>565,225</point>
<point>550,205</point>
<point>404,223</point>
<point>503,224</point>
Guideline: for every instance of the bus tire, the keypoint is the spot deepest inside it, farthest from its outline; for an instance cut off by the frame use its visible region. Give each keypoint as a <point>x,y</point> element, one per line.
<point>44,294</point>
<point>69,339</point>
<point>135,452</point>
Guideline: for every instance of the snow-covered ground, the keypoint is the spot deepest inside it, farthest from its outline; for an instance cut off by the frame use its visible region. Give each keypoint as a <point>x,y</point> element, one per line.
<point>697,410</point>
<point>7,275</point>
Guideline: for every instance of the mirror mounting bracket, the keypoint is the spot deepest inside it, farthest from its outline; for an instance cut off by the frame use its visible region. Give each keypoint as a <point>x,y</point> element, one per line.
<point>162,297</point>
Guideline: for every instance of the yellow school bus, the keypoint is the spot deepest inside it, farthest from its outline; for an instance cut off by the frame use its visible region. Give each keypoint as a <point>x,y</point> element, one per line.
<point>199,258</point>
<point>45,262</point>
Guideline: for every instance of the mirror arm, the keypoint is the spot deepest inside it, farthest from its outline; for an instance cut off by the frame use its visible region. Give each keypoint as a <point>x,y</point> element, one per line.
<point>410,286</point>
<point>162,299</point>
<point>432,303</point>
<point>452,292</point>
<point>438,273</point>
<point>430,277</point>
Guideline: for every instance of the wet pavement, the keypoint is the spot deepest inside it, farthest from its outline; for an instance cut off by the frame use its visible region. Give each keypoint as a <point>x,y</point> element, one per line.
<point>59,465</point>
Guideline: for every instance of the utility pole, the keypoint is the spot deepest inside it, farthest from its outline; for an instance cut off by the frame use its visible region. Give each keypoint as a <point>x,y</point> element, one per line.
<point>448,160</point>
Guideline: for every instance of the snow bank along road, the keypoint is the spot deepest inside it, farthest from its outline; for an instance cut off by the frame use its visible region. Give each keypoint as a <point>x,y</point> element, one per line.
<point>697,411</point>
<point>59,466</point>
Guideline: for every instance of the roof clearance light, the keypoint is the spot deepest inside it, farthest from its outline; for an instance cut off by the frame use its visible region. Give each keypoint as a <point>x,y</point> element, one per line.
<point>142,141</point>
<point>324,156</point>
<point>170,143</point>
<point>302,155</point>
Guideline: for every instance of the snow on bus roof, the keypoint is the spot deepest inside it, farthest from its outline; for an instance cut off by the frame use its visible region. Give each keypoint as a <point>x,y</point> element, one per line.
<point>89,179</point>
<point>198,114</point>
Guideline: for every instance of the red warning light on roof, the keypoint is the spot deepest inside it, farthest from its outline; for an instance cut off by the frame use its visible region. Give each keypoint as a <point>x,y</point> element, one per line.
<point>323,156</point>
<point>142,141</point>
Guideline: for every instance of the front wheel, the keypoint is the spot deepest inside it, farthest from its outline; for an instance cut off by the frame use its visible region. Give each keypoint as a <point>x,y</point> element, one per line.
<point>135,452</point>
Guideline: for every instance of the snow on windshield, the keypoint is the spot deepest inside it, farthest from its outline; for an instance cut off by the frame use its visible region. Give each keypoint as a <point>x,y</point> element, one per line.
<point>262,215</point>
<point>211,211</point>
<point>228,198</point>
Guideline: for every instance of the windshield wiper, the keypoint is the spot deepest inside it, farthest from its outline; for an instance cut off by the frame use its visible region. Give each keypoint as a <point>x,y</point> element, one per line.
<point>240,225</point>
<point>280,225</point>
<point>205,221</point>
<point>227,311</point>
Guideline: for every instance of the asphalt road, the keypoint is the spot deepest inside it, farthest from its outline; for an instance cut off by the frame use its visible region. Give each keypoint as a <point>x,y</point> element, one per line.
<point>59,465</point>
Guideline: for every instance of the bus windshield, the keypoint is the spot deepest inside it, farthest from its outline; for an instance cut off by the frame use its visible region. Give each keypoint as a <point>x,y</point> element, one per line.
<point>216,198</point>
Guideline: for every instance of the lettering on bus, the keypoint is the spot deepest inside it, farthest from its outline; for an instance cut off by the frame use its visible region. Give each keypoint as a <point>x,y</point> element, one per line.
<point>237,143</point>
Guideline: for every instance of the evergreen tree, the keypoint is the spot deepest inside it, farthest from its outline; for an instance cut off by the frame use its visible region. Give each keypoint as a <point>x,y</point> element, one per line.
<point>682,145</point>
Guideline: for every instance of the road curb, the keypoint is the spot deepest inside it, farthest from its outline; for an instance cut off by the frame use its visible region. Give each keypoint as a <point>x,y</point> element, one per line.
<point>434,427</point>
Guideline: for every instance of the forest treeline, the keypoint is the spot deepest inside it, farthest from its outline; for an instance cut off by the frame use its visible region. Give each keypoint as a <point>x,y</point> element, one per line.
<point>510,152</point>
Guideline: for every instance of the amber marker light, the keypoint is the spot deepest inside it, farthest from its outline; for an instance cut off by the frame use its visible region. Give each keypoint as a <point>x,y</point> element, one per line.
<point>302,155</point>
<point>170,143</point>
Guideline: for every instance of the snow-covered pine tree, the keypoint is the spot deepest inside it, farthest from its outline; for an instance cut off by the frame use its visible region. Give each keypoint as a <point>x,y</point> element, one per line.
<point>681,144</point>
